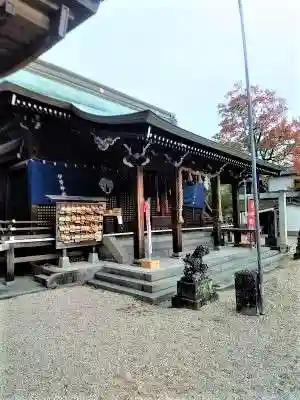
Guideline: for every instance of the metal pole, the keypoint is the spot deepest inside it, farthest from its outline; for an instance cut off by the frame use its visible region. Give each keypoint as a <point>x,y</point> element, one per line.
<point>245,200</point>
<point>253,157</point>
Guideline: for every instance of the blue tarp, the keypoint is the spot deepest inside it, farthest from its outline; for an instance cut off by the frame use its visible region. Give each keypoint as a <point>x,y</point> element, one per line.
<point>43,180</point>
<point>194,195</point>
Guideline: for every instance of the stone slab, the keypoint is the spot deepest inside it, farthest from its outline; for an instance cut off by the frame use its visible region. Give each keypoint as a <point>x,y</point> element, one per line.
<point>142,285</point>
<point>152,298</point>
<point>142,273</point>
<point>22,285</point>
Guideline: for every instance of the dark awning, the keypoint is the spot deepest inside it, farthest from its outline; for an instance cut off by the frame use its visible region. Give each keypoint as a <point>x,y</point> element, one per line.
<point>143,117</point>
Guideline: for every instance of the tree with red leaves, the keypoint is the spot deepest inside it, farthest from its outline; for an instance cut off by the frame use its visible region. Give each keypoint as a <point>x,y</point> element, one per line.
<point>275,134</point>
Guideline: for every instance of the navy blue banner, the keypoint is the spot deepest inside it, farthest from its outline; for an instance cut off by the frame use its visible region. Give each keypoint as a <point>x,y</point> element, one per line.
<point>48,178</point>
<point>194,195</point>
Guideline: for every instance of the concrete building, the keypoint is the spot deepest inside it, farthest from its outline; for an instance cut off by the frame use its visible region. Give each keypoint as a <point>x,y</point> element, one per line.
<point>282,195</point>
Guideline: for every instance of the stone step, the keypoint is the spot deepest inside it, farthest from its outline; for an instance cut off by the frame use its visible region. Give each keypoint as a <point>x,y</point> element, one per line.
<point>53,269</point>
<point>242,263</point>
<point>41,278</point>
<point>156,286</point>
<point>142,273</point>
<point>153,298</point>
<point>144,286</point>
<point>219,258</point>
<point>225,278</point>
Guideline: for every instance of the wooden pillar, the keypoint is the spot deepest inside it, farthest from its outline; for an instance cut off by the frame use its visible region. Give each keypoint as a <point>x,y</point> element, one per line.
<point>176,193</point>
<point>216,212</point>
<point>138,234</point>
<point>10,266</point>
<point>219,198</point>
<point>236,212</point>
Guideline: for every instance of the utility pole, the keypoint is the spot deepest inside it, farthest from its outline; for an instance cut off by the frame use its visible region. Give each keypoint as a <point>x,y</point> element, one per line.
<point>253,159</point>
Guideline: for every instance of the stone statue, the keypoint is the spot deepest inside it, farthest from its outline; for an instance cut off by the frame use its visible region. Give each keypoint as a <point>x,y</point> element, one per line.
<point>195,288</point>
<point>195,269</point>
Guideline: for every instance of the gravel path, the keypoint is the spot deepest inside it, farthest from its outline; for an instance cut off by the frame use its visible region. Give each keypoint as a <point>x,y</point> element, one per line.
<point>80,343</point>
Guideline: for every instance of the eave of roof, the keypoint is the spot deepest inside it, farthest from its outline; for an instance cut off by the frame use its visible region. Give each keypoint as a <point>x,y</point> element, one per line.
<point>143,117</point>
<point>33,28</point>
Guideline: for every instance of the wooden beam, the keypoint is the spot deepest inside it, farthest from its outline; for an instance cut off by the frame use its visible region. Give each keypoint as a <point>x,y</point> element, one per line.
<point>176,195</point>
<point>63,21</point>
<point>21,164</point>
<point>236,212</point>
<point>8,6</point>
<point>139,235</point>
<point>30,14</point>
<point>215,194</point>
<point>39,257</point>
<point>21,245</point>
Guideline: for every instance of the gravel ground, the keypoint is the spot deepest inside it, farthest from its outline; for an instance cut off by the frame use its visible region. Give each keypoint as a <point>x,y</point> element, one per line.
<point>81,343</point>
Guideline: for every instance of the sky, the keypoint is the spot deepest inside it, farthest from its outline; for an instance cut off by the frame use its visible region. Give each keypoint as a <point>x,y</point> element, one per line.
<point>184,56</point>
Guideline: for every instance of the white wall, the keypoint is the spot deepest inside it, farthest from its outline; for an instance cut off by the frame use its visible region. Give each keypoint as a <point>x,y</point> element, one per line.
<point>281,183</point>
<point>293,218</point>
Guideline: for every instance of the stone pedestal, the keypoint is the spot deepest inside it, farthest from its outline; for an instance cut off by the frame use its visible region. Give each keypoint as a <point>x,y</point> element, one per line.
<point>64,262</point>
<point>93,257</point>
<point>247,292</point>
<point>194,294</point>
<point>176,255</point>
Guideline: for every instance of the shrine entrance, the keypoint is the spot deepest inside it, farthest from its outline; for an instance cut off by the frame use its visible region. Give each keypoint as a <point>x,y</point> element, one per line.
<point>124,159</point>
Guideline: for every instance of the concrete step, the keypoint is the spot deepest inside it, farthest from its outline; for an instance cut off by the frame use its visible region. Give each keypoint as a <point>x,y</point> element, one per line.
<point>153,298</point>
<point>216,258</point>
<point>144,286</point>
<point>142,273</point>
<point>41,278</point>
<point>241,262</point>
<point>225,277</point>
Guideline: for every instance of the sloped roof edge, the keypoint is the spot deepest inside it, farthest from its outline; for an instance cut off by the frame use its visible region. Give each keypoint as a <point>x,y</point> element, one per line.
<point>147,117</point>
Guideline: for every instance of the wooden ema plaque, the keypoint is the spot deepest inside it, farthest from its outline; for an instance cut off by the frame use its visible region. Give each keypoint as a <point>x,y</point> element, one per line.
<point>79,224</point>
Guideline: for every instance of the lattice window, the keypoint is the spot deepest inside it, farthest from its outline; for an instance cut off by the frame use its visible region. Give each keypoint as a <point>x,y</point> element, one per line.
<point>45,212</point>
